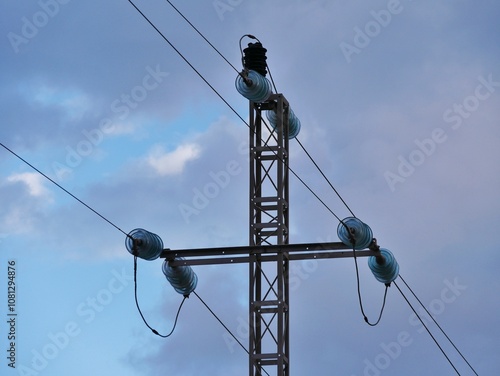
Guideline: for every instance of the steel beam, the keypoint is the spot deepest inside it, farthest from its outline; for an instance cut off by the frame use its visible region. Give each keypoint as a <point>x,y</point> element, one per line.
<point>235,255</point>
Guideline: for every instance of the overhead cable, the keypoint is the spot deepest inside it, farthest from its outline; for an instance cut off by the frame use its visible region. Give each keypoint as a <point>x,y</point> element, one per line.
<point>224,326</point>
<point>324,176</point>
<point>62,188</point>
<point>439,326</point>
<point>310,157</point>
<point>427,329</point>
<point>359,294</point>
<point>206,40</point>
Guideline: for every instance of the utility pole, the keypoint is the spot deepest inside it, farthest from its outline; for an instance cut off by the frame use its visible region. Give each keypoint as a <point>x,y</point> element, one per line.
<point>269,224</point>
<point>269,252</point>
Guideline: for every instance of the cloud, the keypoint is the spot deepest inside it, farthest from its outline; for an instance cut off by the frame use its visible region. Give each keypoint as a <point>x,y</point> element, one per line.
<point>32,180</point>
<point>25,200</point>
<point>172,163</point>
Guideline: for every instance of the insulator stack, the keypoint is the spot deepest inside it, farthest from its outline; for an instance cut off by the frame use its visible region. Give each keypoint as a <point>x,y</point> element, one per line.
<point>255,58</point>
<point>252,82</point>
<point>352,229</point>
<point>144,244</point>
<point>293,122</point>
<point>384,267</point>
<point>182,278</point>
<point>253,86</point>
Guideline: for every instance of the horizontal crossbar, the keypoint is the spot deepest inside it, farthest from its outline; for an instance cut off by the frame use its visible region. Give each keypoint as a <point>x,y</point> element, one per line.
<point>244,254</point>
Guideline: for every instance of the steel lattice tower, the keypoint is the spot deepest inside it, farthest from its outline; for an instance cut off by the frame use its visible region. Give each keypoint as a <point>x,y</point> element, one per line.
<point>269,225</point>
<point>269,252</point>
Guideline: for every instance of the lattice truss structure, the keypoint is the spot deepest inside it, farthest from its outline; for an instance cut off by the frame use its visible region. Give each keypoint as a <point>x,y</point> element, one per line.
<point>269,225</point>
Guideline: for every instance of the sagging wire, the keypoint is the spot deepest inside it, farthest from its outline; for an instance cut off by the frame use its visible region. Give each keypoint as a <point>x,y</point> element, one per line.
<point>140,312</point>
<point>358,284</point>
<point>387,285</point>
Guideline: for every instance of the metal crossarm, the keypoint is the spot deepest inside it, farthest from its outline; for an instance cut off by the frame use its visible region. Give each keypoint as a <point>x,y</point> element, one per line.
<point>235,255</point>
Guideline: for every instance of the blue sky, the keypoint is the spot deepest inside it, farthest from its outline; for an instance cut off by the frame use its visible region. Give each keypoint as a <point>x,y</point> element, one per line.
<point>399,105</point>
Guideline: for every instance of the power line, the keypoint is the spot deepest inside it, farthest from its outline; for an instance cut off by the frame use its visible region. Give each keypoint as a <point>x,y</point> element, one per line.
<point>64,189</point>
<point>427,329</point>
<point>322,173</point>
<point>440,328</point>
<point>206,40</point>
<point>225,327</point>
<point>185,59</point>
<point>220,321</point>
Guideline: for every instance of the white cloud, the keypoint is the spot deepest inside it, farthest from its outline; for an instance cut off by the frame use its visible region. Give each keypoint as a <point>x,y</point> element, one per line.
<point>171,163</point>
<point>33,181</point>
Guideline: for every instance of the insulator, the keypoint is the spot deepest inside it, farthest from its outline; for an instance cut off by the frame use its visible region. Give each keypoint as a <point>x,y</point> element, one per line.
<point>144,244</point>
<point>293,122</point>
<point>255,58</point>
<point>182,278</point>
<point>254,86</point>
<point>385,268</point>
<point>352,227</point>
